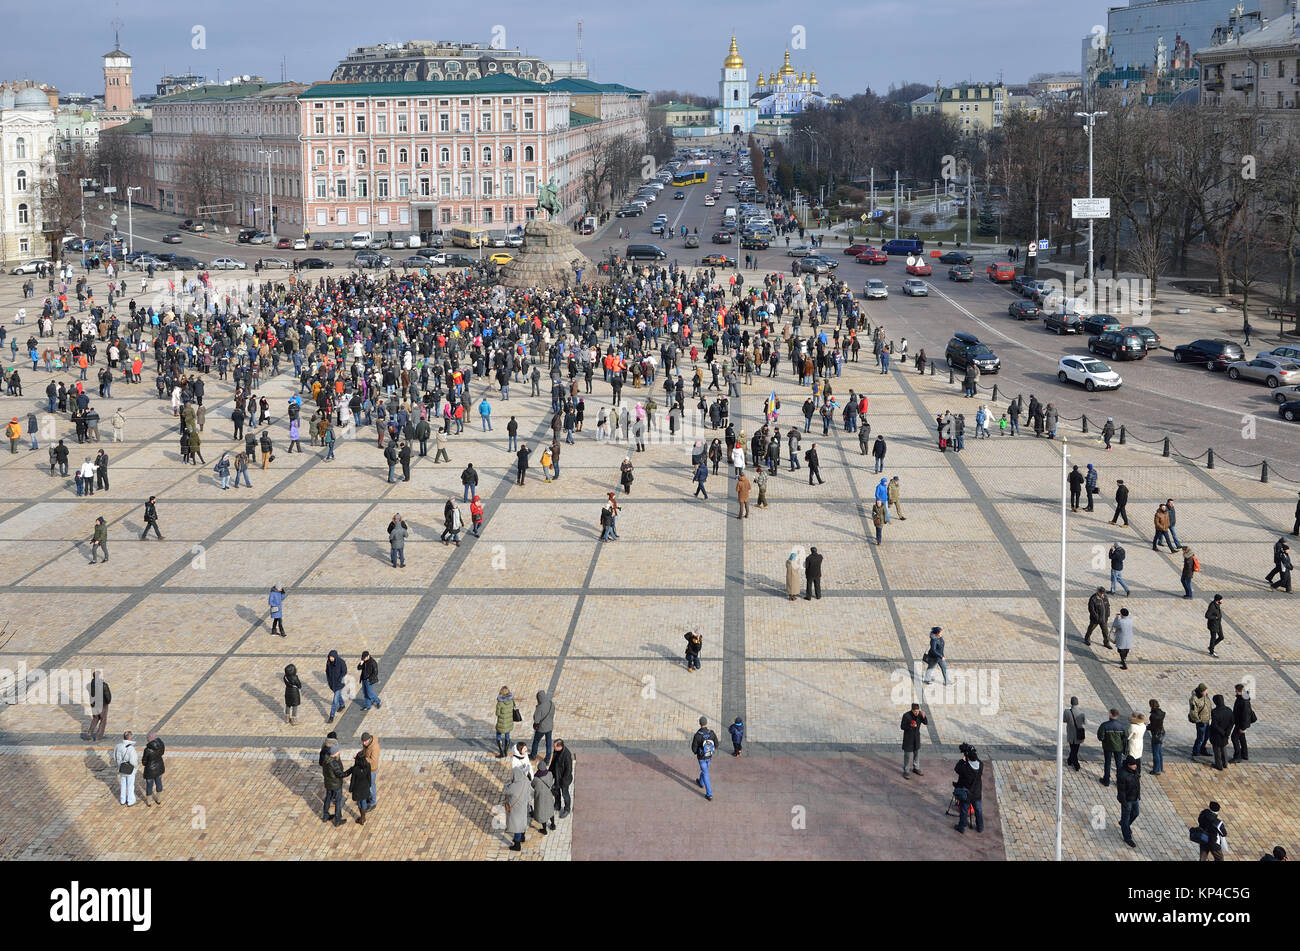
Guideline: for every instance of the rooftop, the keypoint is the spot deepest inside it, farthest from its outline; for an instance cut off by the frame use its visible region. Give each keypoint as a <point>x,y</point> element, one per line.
<point>497,83</point>
<point>232,91</point>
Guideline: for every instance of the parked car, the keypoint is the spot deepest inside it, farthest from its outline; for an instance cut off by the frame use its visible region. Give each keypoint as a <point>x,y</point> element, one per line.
<point>875,289</point>
<point>275,262</point>
<point>284,244</point>
<point>259,237</point>
<point>1023,285</point>
<point>314,264</point>
<point>1099,323</point>
<point>1091,374</point>
<point>628,211</point>
<point>415,260</point>
<point>809,265</point>
<point>1288,352</point>
<point>717,260</point>
<point>1023,310</point>
<point>920,269</point>
<point>1286,394</point>
<point>1000,272</point>
<point>1150,339</point>
<point>227,264</point>
<point>27,267</point>
<point>369,259</point>
<point>457,259</point>
<point>961,272</point>
<point>873,256</point>
<point>1289,411</point>
<point>300,245</point>
<point>320,244</point>
<point>1118,344</point>
<point>964,349</point>
<point>956,257</point>
<point>1272,371</point>
<point>183,263</point>
<point>1213,354</point>
<point>171,238</point>
<point>915,287</point>
<point>799,251</point>
<point>722,237</point>
<point>501,257</point>
<point>1062,323</point>
<point>338,244</point>
<point>245,234</point>
<point>143,261</point>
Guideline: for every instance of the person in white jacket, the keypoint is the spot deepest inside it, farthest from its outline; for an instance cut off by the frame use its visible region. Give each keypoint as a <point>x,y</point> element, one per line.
<point>1133,736</point>
<point>125,754</point>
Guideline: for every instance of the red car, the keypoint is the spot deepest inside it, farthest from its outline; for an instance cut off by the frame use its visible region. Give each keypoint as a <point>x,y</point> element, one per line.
<point>284,244</point>
<point>1000,272</point>
<point>919,269</point>
<point>873,256</point>
<point>856,249</point>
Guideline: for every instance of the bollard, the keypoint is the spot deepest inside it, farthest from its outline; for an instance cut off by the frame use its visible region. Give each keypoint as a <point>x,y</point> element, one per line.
<point>995,392</point>
<point>1121,435</point>
<point>1263,472</point>
<point>1085,422</point>
<point>1209,459</point>
<point>951,377</point>
<point>931,369</point>
<point>1166,452</point>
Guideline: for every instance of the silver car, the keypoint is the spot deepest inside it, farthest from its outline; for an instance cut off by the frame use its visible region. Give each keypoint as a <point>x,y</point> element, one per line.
<point>1273,371</point>
<point>275,262</point>
<point>225,264</point>
<point>915,287</point>
<point>875,290</point>
<point>1287,352</point>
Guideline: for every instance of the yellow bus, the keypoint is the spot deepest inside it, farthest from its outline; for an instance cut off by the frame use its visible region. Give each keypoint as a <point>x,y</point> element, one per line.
<point>692,177</point>
<point>468,237</point>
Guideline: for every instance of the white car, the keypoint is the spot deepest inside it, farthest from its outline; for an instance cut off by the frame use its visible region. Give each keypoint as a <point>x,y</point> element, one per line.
<point>143,261</point>
<point>225,264</point>
<point>875,290</point>
<point>300,244</point>
<point>30,267</point>
<point>710,201</point>
<point>275,262</point>
<point>915,287</point>
<point>435,259</point>
<point>1088,371</point>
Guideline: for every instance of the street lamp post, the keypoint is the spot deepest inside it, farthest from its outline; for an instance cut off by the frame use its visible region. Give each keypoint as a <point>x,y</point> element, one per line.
<point>270,204</point>
<point>130,222</point>
<point>1090,120</point>
<point>1060,661</point>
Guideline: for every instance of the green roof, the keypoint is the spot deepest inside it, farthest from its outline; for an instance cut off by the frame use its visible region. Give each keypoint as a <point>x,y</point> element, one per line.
<point>577,118</point>
<point>590,86</point>
<point>209,92</point>
<point>135,126</point>
<point>497,83</point>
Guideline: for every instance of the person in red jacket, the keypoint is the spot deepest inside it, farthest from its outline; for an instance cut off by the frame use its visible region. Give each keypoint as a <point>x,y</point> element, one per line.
<point>476,516</point>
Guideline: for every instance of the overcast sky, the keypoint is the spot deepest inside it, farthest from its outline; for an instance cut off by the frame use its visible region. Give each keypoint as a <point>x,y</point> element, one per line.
<point>852,44</point>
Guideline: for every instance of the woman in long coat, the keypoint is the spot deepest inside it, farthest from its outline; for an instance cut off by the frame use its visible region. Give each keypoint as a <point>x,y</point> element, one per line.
<point>360,787</point>
<point>515,797</point>
<point>292,693</point>
<point>792,576</point>
<point>544,798</point>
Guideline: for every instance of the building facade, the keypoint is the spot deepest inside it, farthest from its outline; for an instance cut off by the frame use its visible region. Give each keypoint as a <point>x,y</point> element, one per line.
<point>975,107</point>
<point>1253,68</point>
<point>422,61</point>
<point>119,103</point>
<point>787,93</point>
<point>27,151</point>
<point>735,115</point>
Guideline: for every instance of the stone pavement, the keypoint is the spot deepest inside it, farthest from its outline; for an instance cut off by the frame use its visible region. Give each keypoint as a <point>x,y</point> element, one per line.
<point>180,628</point>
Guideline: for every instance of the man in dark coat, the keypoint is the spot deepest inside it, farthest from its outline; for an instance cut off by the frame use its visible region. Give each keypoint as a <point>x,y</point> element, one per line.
<point>359,788</point>
<point>1243,716</point>
<point>1221,727</point>
<point>1075,480</point>
<point>1214,622</point>
<point>967,788</point>
<point>911,725</point>
<point>562,770</point>
<point>152,767</point>
<point>1121,500</point>
<point>813,571</point>
<point>1098,617</point>
<point>814,465</point>
<point>332,773</point>
<point>1129,793</point>
<point>336,671</point>
<point>522,456</point>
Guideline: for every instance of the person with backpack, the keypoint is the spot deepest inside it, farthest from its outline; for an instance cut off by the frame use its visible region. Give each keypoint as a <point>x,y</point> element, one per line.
<point>694,644</point>
<point>737,731</point>
<point>1191,565</point>
<point>126,758</point>
<point>704,744</point>
<point>153,767</point>
<point>369,671</point>
<point>967,788</point>
<point>222,470</point>
<point>1111,735</point>
<point>1210,833</point>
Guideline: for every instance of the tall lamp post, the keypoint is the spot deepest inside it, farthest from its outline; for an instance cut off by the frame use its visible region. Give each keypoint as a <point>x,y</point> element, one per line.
<point>270,204</point>
<point>130,222</point>
<point>1060,661</point>
<point>1089,120</point>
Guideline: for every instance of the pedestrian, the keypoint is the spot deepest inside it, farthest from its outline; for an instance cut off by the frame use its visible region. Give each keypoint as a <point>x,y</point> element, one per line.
<point>1129,793</point>
<point>792,576</point>
<point>370,747</point>
<point>812,567</point>
<point>152,768</point>
<point>761,477</point>
<point>1134,735</point>
<point>704,744</point>
<point>814,465</point>
<point>878,451</point>
<point>522,463</point>
<point>1282,564</point>
<point>440,440</point>
<point>895,498</point>
<point>1212,833</point>
<point>1191,565</point>
<point>1295,528</point>
<point>934,656</point>
<point>543,724</point>
<point>1221,727</point>
<point>1098,617</point>
<point>1075,722</point>
<point>1075,480</point>
<point>126,758</point>
<point>1156,733</point>
<point>700,477</point>
<point>292,694</point>
<point>507,716</point>
<point>879,518</point>
<point>1173,522</point>
<point>222,470</point>
<point>359,787</point>
<point>99,540</point>
<point>398,530</point>
<point>694,644</point>
<point>911,725</point>
<point>544,799</point>
<point>562,770</point>
<point>1162,530</point>
<point>1122,628</point>
<point>742,494</point>
<point>1090,485</point>
<point>469,481</point>
<point>241,469</point>
<point>737,731</point>
<point>368,675</point>
<point>1116,555</point>
<point>625,476</point>
<point>515,796</point>
<point>332,774</point>
<point>1198,714</point>
<point>100,697</point>
<point>1121,501</point>
<point>1108,432</point>
<point>275,600</point>
<point>1214,621</point>
<point>336,670</point>
<point>452,523</point>
<point>1110,734</point>
<point>1243,715</point>
<point>967,788</point>
<point>476,516</point>
<point>151,519</point>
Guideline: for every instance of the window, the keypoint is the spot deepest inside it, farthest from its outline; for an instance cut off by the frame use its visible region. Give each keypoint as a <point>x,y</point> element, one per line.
<point>24,246</point>
<point>467,185</point>
<point>485,122</point>
<point>528,121</point>
<point>363,187</point>
<point>467,216</point>
<point>320,188</point>
<point>530,185</point>
<point>361,124</point>
<point>361,156</point>
<point>508,121</point>
<point>403,187</point>
<point>487,186</point>
<point>487,154</point>
<point>464,155</point>
<point>381,188</point>
<point>381,156</point>
<point>341,188</point>
<point>402,124</point>
<point>464,122</point>
<point>446,216</point>
<point>735,95</point>
<point>23,214</point>
<point>1281,69</point>
<point>487,216</point>
<point>340,125</point>
<point>508,185</point>
<point>1263,70</point>
<point>381,122</point>
<point>422,122</point>
<point>403,157</point>
<point>340,157</point>
<point>20,148</point>
<point>444,156</point>
<point>320,157</point>
<point>342,216</point>
<point>507,153</point>
<point>22,181</point>
<point>319,125</point>
<point>528,153</point>
<point>444,186</point>
<point>444,122</point>
<point>424,187</point>
<point>424,156</point>
<point>510,214</point>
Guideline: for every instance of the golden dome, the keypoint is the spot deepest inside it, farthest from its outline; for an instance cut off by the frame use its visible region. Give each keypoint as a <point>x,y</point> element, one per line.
<point>787,69</point>
<point>812,78</point>
<point>803,78</point>
<point>733,60</point>
<point>760,80</point>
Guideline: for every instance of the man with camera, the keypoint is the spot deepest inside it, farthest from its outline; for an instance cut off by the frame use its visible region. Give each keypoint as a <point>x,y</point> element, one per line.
<point>966,788</point>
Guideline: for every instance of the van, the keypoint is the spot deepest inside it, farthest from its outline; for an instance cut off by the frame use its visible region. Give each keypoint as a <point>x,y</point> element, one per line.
<point>362,239</point>
<point>588,225</point>
<point>413,241</point>
<point>903,246</point>
<point>729,214</point>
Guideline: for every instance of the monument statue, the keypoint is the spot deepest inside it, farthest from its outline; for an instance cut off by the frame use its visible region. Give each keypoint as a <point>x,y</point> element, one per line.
<point>548,198</point>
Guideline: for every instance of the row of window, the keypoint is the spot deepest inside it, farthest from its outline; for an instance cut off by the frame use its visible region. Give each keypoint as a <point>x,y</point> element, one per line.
<point>384,216</point>
<point>360,188</point>
<point>422,155</point>
<point>422,123</point>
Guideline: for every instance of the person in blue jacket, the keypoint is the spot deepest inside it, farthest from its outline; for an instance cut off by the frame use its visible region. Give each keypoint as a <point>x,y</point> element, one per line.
<point>737,731</point>
<point>276,600</point>
<point>336,672</point>
<point>882,496</point>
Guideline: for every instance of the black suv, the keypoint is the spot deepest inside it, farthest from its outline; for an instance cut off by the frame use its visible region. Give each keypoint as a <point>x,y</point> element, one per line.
<point>1062,323</point>
<point>1118,344</point>
<point>1212,354</point>
<point>1100,323</point>
<point>964,349</point>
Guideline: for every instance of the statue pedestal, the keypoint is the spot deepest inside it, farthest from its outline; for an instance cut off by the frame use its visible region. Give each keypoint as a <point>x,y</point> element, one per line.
<point>547,259</point>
